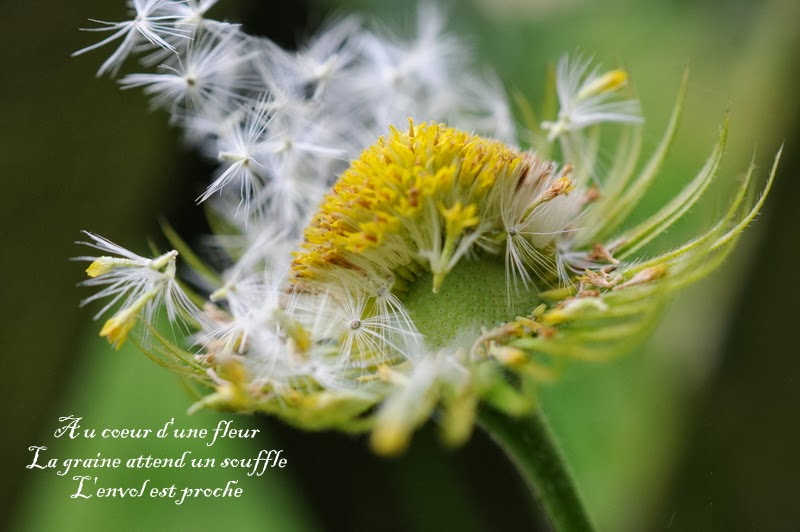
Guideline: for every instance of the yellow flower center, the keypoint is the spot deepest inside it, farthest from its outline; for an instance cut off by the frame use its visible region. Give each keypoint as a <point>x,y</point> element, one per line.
<point>410,208</point>
<point>414,201</point>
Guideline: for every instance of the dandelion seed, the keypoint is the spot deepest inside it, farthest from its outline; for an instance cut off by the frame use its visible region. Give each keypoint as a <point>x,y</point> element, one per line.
<point>143,285</point>
<point>585,98</point>
<point>148,23</point>
<point>328,55</point>
<point>241,148</point>
<point>208,75</point>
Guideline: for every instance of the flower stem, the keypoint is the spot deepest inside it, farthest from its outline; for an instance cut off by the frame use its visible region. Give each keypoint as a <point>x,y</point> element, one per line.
<point>530,445</point>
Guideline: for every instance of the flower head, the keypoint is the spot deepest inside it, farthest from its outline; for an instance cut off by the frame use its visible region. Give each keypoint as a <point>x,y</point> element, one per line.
<point>442,268</point>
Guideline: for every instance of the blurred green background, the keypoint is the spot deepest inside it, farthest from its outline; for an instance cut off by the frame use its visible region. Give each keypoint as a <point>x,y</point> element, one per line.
<point>698,430</point>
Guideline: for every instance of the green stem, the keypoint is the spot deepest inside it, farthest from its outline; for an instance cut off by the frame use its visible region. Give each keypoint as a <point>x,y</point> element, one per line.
<point>530,445</point>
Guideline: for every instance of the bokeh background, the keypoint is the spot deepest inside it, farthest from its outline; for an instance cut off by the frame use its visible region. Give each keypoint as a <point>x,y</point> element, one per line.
<point>697,430</point>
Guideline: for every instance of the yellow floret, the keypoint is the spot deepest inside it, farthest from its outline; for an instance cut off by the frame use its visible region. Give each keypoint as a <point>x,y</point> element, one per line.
<point>611,81</point>
<point>402,195</point>
<point>117,327</point>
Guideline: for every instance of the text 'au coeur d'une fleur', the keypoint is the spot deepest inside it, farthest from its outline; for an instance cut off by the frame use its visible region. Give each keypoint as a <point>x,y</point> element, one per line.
<point>88,486</point>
